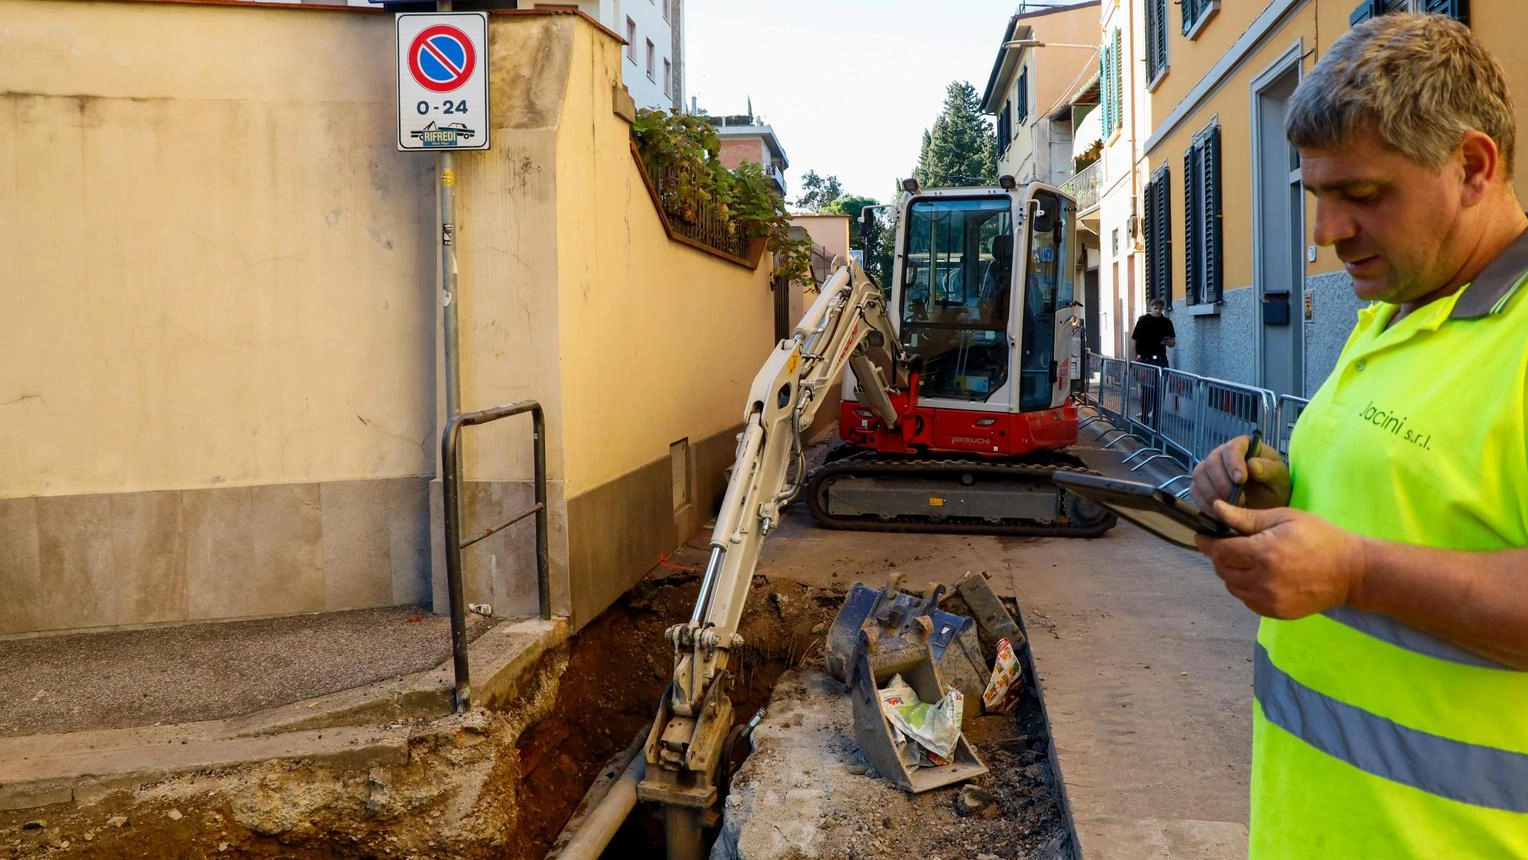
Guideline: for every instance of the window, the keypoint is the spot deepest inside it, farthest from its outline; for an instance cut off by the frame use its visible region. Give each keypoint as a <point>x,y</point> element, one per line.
<point>1156,40</point>
<point>1023,107</point>
<point>1159,236</point>
<point>1201,219</point>
<point>668,78</point>
<point>1004,129</point>
<point>652,65</point>
<point>1196,13</point>
<point>1370,8</point>
<point>631,40</point>
<point>1110,79</point>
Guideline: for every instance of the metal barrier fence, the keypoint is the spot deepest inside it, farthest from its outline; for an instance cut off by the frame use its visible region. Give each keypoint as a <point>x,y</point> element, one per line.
<point>1286,411</point>
<point>1181,416</point>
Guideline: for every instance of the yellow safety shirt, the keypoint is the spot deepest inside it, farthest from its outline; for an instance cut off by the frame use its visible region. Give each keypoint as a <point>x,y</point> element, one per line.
<point>1372,738</point>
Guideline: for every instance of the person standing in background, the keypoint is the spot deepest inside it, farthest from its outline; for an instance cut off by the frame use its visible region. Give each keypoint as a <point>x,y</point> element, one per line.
<point>1153,334</point>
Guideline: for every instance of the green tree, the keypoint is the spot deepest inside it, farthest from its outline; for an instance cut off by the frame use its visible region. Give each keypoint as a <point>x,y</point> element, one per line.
<point>818,192</point>
<point>961,148</point>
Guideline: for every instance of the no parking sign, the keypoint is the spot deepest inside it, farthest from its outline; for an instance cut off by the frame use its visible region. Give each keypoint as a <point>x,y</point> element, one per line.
<point>442,81</point>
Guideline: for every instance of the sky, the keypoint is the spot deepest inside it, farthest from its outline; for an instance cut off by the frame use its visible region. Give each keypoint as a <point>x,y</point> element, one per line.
<point>849,86</point>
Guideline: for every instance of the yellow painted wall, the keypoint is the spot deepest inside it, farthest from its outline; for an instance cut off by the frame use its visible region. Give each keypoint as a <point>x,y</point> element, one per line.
<point>1058,69</point>
<point>681,333</point>
<point>218,270</point>
<point>1230,106</point>
<point>1318,24</point>
<point>1188,60</point>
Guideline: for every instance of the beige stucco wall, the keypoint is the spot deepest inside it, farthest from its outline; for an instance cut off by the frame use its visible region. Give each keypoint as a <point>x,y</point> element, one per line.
<point>681,332</point>
<point>829,231</point>
<point>220,377</point>
<point>217,273</point>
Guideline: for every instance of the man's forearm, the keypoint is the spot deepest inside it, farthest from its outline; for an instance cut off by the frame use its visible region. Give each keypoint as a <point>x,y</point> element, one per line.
<point>1476,600</point>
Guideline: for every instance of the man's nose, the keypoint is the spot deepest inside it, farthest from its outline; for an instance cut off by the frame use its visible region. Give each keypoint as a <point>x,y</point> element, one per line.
<point>1333,224</point>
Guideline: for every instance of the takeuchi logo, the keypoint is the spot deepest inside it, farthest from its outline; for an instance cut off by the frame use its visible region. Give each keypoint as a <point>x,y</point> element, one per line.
<point>1396,425</point>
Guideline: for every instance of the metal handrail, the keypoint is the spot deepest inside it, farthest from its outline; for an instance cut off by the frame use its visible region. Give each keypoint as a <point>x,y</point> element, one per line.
<point>451,466</point>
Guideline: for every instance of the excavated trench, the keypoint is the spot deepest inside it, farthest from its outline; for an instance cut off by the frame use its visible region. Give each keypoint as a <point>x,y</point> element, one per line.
<point>619,666</point>
<point>503,783</point>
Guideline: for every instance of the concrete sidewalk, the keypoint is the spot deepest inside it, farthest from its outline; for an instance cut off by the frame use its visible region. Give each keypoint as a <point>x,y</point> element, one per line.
<point>116,711</point>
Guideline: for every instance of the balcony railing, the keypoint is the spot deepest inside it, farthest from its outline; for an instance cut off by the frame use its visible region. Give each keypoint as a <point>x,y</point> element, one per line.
<point>696,219</point>
<point>1084,185</point>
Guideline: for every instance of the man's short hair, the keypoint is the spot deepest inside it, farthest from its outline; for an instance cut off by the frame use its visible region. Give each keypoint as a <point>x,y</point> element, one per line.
<point>1421,80</point>
<point>1157,303</point>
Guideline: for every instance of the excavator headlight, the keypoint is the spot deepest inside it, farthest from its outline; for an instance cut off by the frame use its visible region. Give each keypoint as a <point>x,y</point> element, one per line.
<point>910,186</point>
<point>1007,182</point>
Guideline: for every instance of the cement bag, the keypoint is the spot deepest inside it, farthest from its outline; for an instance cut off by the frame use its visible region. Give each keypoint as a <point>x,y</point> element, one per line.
<point>936,727</point>
<point>1003,688</point>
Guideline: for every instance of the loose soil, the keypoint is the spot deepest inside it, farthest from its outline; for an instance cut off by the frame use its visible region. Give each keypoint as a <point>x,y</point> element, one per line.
<point>618,669</point>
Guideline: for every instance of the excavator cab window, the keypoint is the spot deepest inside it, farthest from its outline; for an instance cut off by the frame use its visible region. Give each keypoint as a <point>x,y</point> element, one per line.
<point>957,282</point>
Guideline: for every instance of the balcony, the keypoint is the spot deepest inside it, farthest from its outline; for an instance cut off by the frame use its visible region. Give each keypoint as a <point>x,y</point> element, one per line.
<point>1084,186</point>
<point>777,175</point>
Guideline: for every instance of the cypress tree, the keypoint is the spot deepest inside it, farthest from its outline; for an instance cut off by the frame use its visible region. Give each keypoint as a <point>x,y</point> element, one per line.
<point>961,149</point>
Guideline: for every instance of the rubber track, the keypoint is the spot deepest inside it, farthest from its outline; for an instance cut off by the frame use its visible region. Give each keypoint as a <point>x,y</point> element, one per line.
<point>915,523</point>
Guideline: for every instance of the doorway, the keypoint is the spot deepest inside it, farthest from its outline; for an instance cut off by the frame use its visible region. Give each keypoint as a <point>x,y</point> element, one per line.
<point>1278,230</point>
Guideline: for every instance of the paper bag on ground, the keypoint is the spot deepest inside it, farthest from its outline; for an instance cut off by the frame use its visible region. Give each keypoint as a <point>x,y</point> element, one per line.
<point>1003,689</point>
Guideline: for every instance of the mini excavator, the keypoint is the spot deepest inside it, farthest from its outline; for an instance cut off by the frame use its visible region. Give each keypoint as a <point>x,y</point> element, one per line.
<point>959,403</point>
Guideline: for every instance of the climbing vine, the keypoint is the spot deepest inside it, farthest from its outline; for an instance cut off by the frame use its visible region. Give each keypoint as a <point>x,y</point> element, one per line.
<point>726,209</point>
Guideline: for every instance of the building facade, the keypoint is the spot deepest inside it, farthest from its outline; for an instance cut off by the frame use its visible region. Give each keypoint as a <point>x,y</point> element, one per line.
<point>653,58</point>
<point>746,138</point>
<point>1227,225</point>
<point>1043,56</point>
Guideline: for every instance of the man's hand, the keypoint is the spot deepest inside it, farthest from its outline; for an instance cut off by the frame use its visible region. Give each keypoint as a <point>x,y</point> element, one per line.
<point>1290,564</point>
<point>1226,467</point>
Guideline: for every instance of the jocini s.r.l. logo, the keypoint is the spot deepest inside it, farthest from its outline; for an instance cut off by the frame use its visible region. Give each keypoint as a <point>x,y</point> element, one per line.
<point>1396,425</point>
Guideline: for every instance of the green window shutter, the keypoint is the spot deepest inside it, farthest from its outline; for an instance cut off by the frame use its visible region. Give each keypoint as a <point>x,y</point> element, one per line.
<point>1364,12</point>
<point>1156,38</point>
<point>1150,206</point>
<point>1106,77</point>
<point>1193,288</point>
<point>1162,242</point>
<point>1119,86</point>
<point>1158,238</point>
<point>1212,238</point>
<point>1190,10</point>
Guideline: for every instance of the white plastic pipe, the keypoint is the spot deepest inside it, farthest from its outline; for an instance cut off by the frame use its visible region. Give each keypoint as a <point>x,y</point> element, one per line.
<point>599,827</point>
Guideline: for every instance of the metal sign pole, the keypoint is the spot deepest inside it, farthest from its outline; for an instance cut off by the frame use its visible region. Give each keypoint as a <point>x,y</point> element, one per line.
<point>447,193</point>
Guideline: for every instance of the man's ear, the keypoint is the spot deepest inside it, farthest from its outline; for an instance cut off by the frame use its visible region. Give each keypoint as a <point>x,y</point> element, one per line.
<point>1482,165</point>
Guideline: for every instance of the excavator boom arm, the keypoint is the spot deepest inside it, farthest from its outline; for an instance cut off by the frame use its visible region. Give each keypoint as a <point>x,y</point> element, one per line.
<point>848,324</point>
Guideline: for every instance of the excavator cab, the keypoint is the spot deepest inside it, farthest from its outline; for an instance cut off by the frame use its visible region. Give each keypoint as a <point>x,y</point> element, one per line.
<point>983,295</point>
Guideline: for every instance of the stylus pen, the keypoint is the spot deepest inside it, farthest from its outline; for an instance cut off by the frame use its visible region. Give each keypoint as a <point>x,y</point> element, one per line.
<point>1236,491</point>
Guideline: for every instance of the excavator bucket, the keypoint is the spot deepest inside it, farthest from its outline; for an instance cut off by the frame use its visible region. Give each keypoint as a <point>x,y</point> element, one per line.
<point>876,660</point>
<point>894,613</point>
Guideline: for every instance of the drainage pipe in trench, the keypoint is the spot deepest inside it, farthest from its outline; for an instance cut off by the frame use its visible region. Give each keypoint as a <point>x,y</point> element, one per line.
<point>599,825</point>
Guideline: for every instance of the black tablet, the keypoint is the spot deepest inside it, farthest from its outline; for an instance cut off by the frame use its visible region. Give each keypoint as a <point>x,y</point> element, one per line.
<point>1155,510</point>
